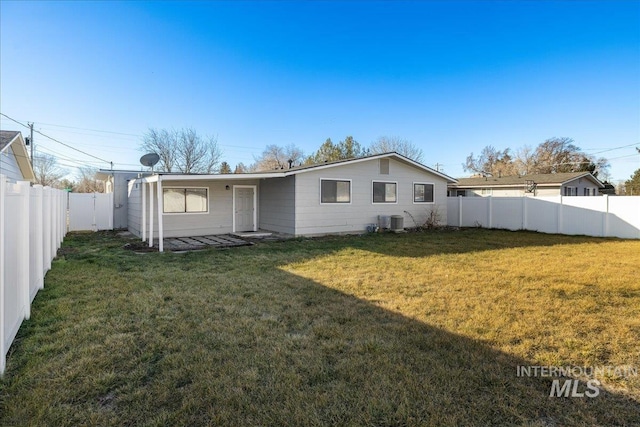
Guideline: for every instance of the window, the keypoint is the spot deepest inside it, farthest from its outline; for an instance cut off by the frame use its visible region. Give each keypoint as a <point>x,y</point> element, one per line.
<point>487,191</point>
<point>184,200</point>
<point>385,192</point>
<point>335,191</point>
<point>586,191</point>
<point>570,191</point>
<point>423,193</point>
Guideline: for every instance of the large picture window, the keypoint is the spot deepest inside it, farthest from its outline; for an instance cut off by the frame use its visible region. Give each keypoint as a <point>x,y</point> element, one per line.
<point>422,193</point>
<point>335,191</point>
<point>385,192</point>
<point>185,200</point>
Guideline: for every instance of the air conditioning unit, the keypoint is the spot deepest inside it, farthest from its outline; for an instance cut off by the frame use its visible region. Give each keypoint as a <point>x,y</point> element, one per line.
<point>397,223</point>
<point>384,222</point>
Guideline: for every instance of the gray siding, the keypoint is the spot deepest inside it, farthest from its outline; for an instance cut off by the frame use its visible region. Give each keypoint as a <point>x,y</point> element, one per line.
<point>313,218</point>
<point>581,184</point>
<point>120,200</point>
<point>134,208</point>
<point>219,219</point>
<point>9,166</point>
<point>277,205</point>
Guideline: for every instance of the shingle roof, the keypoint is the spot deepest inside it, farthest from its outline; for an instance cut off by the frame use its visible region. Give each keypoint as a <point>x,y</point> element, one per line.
<point>6,136</point>
<point>510,181</point>
<point>304,168</point>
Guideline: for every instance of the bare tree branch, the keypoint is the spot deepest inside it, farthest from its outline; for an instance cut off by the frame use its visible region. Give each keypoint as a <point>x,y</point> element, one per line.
<point>388,144</point>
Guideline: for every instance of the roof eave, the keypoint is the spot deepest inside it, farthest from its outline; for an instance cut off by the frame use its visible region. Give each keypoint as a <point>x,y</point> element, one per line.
<point>22,157</point>
<point>374,157</point>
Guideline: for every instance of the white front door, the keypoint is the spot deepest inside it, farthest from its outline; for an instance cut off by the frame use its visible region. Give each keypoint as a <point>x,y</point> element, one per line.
<point>244,207</point>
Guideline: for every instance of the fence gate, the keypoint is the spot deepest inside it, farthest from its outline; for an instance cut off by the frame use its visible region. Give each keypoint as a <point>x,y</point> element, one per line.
<point>90,211</point>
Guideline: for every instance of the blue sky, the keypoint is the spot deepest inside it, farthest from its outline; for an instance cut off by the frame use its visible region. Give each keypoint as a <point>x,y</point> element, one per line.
<point>452,77</point>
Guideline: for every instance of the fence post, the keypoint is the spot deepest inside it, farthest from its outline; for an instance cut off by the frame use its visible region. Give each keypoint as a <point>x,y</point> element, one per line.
<point>46,230</point>
<point>56,221</point>
<point>560,227</point>
<point>23,247</point>
<point>525,216</point>
<point>3,349</point>
<point>490,211</point>
<point>52,208</point>
<point>37,251</point>
<point>111,213</point>
<point>459,211</point>
<point>605,217</point>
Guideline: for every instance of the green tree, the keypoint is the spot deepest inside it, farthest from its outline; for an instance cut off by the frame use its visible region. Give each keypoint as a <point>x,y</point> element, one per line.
<point>632,185</point>
<point>330,152</point>
<point>225,168</point>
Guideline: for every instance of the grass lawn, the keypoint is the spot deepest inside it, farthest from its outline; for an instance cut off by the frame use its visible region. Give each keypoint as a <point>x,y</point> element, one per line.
<point>410,329</point>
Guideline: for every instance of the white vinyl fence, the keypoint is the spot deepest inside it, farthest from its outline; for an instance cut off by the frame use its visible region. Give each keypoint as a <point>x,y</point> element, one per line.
<point>90,211</point>
<point>32,226</point>
<point>604,216</point>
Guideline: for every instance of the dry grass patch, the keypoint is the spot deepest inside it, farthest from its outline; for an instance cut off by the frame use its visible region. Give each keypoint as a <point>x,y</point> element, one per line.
<point>418,329</point>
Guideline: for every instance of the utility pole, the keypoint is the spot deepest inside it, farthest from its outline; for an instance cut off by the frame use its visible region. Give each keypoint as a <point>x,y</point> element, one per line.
<point>31,141</point>
<point>438,167</point>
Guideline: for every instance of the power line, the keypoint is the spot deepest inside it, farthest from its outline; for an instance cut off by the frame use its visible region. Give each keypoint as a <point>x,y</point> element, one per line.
<point>55,140</point>
<point>612,149</point>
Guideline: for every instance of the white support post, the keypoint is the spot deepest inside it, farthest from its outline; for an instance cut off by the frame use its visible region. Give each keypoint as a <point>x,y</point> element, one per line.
<point>144,211</point>
<point>3,349</point>
<point>23,247</point>
<point>459,211</point>
<point>151,214</point>
<point>160,225</point>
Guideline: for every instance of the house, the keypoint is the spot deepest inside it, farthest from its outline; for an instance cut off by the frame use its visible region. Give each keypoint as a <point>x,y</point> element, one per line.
<point>337,197</point>
<point>116,182</point>
<point>554,184</point>
<point>14,159</point>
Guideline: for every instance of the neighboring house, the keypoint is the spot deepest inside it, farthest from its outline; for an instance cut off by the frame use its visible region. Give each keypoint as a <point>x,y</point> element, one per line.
<point>338,197</point>
<point>553,184</point>
<point>116,182</point>
<point>14,159</point>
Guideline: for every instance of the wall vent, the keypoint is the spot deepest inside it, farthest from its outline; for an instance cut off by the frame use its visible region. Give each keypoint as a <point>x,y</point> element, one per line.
<point>384,166</point>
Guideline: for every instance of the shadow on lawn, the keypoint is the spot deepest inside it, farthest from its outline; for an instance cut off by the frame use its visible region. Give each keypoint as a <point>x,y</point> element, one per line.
<point>371,366</point>
<point>457,241</point>
<point>287,351</point>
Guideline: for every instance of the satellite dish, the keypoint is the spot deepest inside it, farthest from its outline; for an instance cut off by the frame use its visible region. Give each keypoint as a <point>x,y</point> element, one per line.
<point>149,160</point>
